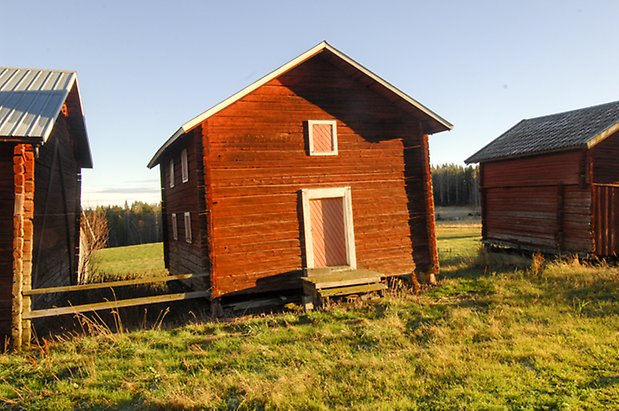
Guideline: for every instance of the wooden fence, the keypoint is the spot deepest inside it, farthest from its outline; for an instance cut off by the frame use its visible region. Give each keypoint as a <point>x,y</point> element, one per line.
<point>606,219</point>
<point>27,314</point>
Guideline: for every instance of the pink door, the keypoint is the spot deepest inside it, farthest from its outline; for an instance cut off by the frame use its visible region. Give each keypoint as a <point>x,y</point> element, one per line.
<point>328,231</point>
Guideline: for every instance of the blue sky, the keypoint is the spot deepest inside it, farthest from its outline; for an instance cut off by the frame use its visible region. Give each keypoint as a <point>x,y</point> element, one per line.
<point>146,67</point>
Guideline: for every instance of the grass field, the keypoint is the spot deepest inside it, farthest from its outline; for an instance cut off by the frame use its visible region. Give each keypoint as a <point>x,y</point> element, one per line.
<point>542,336</point>
<point>131,261</point>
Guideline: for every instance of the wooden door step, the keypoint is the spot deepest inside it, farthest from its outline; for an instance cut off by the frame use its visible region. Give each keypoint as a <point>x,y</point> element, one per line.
<point>324,283</point>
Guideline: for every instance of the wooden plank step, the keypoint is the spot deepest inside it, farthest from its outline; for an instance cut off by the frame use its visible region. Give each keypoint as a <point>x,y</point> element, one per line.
<point>334,279</point>
<point>358,289</point>
<point>344,283</point>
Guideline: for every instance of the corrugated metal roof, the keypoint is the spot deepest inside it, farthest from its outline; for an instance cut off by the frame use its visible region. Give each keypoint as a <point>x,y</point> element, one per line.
<point>442,124</point>
<point>582,128</point>
<point>31,99</point>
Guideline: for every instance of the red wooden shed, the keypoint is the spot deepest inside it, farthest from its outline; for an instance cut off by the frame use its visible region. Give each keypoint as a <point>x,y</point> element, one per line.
<point>552,183</point>
<point>43,147</point>
<point>319,164</point>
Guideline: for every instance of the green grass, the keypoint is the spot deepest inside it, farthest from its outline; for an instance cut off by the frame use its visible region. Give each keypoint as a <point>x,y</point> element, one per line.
<point>128,262</point>
<point>485,338</point>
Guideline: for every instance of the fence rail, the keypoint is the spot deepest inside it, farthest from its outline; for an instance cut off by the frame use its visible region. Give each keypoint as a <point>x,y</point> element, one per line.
<point>26,314</point>
<point>111,284</point>
<point>131,302</point>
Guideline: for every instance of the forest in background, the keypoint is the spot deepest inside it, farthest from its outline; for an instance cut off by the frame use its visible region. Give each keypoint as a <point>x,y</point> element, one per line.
<point>455,185</point>
<point>140,223</point>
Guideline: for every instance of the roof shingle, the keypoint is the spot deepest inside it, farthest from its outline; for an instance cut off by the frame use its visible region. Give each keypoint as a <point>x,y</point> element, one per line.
<point>556,132</point>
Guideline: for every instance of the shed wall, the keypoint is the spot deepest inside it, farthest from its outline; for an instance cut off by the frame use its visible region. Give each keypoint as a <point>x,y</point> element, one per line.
<point>538,202</point>
<point>257,161</point>
<point>7,197</point>
<point>184,257</point>
<point>605,165</point>
<point>57,210</point>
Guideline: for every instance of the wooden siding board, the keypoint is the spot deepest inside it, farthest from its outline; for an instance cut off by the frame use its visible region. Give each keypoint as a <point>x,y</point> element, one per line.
<point>604,156</point>
<point>184,257</point>
<point>57,212</point>
<point>558,168</point>
<point>537,202</point>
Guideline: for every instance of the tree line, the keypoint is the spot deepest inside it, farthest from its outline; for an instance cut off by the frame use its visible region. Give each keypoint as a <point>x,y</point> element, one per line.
<point>455,185</point>
<point>139,223</point>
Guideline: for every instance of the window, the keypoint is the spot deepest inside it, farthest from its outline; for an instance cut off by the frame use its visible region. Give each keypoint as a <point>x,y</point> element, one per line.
<point>322,136</point>
<point>188,227</point>
<point>174,227</point>
<point>171,173</point>
<point>184,170</point>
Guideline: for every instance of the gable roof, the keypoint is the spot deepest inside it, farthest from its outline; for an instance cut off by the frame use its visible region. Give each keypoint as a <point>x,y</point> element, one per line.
<point>30,102</point>
<point>437,123</point>
<point>583,128</point>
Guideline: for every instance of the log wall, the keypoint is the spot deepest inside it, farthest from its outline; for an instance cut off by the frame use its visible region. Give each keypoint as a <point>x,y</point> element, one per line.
<point>257,162</point>
<point>7,198</point>
<point>183,257</point>
<point>539,202</point>
<point>57,210</point>
<point>604,156</point>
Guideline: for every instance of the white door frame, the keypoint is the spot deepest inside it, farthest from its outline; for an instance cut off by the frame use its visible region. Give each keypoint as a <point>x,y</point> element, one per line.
<point>308,194</point>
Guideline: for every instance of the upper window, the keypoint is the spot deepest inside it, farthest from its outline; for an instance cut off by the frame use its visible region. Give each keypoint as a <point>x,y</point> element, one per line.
<point>188,227</point>
<point>171,173</point>
<point>174,227</point>
<point>184,167</point>
<point>322,137</point>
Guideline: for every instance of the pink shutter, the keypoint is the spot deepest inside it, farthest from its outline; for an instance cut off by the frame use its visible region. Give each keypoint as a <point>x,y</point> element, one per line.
<point>328,235</point>
<point>322,136</point>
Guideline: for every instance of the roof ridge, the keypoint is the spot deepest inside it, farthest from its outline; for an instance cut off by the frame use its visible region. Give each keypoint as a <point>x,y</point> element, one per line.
<point>561,113</point>
<point>38,69</point>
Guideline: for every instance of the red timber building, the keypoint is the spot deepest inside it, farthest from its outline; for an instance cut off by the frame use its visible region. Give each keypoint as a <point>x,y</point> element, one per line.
<point>552,183</point>
<point>43,147</point>
<point>319,164</point>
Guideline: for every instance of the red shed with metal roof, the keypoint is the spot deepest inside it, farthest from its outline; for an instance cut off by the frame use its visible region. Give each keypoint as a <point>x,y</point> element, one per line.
<point>43,147</point>
<point>319,164</point>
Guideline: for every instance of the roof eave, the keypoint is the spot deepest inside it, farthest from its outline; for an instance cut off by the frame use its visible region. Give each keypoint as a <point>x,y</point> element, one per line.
<point>84,147</point>
<point>598,138</point>
<point>21,140</point>
<point>155,160</point>
<point>474,159</point>
<point>446,124</point>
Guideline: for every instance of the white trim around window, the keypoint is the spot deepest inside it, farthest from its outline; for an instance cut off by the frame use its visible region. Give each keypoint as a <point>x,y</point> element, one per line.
<point>308,194</point>
<point>184,166</point>
<point>174,227</point>
<point>310,134</point>
<point>171,172</point>
<point>188,227</point>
